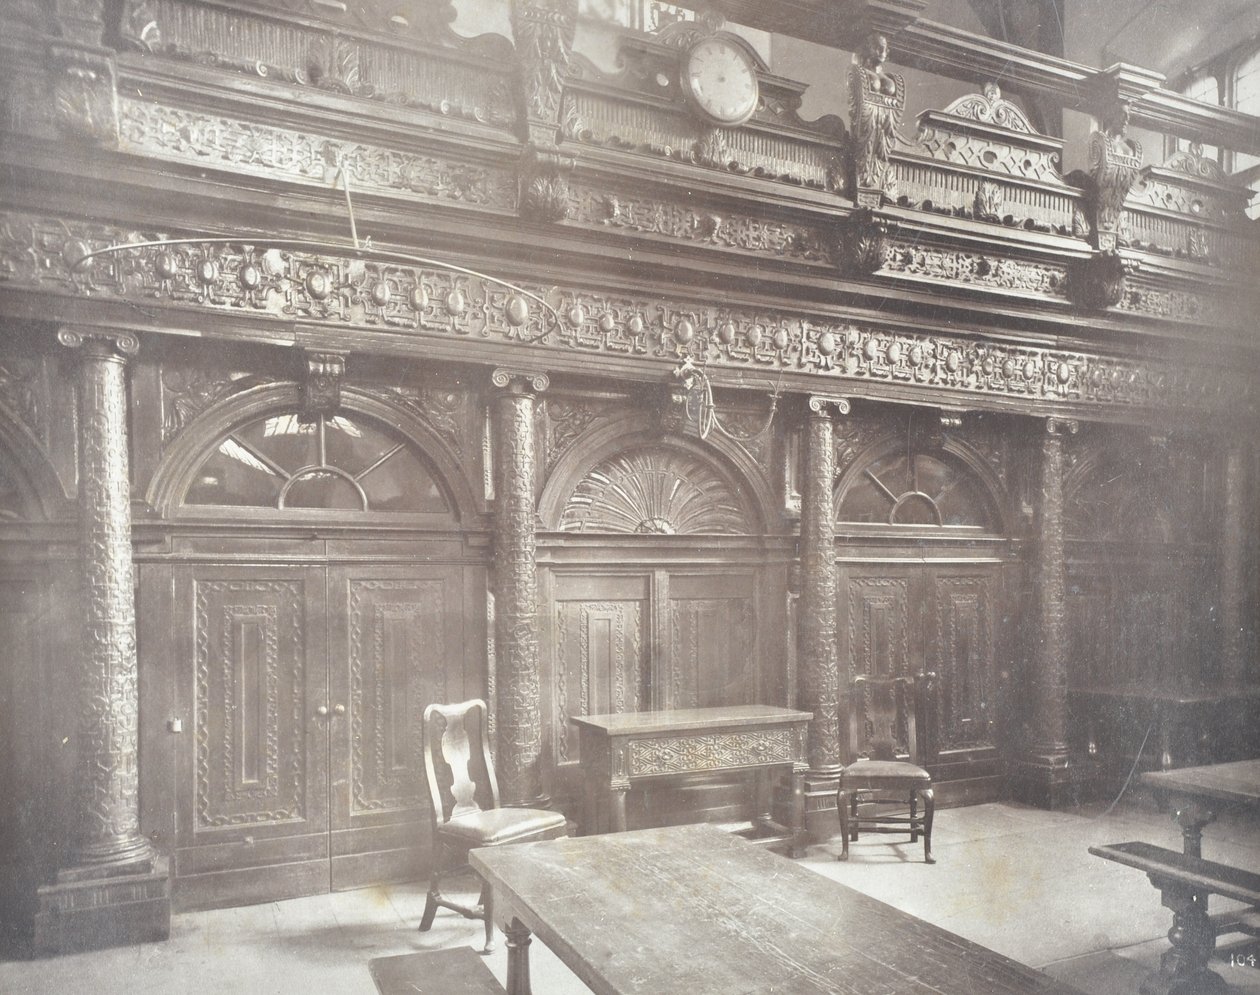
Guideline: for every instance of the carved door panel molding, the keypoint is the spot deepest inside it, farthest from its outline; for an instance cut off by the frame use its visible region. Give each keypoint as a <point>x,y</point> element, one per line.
<point>710,641</point>
<point>393,631</point>
<point>876,631</point>
<point>252,793</point>
<point>961,652</point>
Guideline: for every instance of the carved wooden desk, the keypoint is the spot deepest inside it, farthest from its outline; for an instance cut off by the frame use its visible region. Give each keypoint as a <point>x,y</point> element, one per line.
<point>695,910</point>
<point>619,750</point>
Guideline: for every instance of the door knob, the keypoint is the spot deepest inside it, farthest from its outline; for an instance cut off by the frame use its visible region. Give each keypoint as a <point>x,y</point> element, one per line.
<point>321,711</point>
<point>339,709</point>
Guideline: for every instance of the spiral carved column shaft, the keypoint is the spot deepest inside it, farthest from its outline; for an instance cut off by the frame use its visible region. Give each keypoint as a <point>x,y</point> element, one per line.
<point>820,685</point>
<point>1233,569</point>
<point>518,689</point>
<point>107,807</point>
<point>1049,683</point>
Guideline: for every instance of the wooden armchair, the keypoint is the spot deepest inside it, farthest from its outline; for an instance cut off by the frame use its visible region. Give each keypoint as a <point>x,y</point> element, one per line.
<point>465,805</point>
<point>883,749</point>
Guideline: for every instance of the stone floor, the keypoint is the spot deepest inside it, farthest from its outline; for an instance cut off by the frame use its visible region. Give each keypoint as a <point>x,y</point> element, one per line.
<point>1015,879</point>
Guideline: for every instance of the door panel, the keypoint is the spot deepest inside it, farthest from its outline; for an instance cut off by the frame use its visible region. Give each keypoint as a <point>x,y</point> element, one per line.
<point>599,654</point>
<point>396,647</point>
<point>713,658</point>
<point>254,766</point>
<point>877,633</point>
<point>961,654</point>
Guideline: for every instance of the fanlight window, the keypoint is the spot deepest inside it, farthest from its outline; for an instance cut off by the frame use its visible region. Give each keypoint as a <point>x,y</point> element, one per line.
<point>332,462</point>
<point>918,490</point>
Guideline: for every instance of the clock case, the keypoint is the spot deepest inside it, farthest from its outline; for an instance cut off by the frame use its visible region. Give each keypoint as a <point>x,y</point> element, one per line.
<point>642,107</point>
<point>742,51</point>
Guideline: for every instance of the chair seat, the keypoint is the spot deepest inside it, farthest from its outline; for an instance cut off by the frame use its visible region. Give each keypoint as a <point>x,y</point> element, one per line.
<point>874,775</point>
<point>501,825</point>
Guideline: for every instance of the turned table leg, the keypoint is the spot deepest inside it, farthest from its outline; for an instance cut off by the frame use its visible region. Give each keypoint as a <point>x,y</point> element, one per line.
<point>518,939</point>
<point>617,805</point>
<point>1183,968</point>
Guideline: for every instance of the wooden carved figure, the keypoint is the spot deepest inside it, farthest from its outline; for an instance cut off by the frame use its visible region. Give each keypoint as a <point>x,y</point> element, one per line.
<point>1114,163</point>
<point>877,98</point>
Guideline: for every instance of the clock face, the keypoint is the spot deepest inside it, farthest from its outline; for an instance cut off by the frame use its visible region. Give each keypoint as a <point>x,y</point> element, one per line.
<point>719,79</point>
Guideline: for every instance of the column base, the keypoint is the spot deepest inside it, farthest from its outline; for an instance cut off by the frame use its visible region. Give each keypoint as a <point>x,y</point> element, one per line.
<point>87,908</point>
<point>1047,780</point>
<point>822,821</point>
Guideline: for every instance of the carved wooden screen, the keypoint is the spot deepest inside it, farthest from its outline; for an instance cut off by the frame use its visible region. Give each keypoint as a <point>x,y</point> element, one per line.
<point>711,641</point>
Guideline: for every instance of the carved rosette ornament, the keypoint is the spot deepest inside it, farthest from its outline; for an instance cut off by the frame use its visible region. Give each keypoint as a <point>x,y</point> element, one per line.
<point>1115,161</point>
<point>1049,678</point>
<point>819,677</point>
<point>876,99</point>
<point>518,686</point>
<point>107,801</point>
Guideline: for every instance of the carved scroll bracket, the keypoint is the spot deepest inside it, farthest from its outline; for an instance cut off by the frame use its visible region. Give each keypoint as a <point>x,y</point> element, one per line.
<point>84,92</point>
<point>321,385</point>
<point>543,30</point>
<point>543,179</point>
<point>861,243</point>
<point>1099,280</point>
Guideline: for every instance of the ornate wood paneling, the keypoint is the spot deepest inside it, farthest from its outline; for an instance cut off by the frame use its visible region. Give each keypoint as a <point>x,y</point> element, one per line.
<point>712,652</point>
<point>600,653</point>
<point>962,655</point>
<point>251,679</point>
<point>878,629</point>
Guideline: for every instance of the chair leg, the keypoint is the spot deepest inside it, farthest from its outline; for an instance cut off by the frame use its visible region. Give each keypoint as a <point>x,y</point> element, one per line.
<point>853,814</point>
<point>842,806</point>
<point>914,813</point>
<point>431,900</point>
<point>929,809</point>
<point>487,908</point>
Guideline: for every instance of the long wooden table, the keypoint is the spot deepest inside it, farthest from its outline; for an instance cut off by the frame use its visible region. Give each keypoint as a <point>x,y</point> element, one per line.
<point>1199,794</point>
<point>692,910</point>
<point>629,748</point>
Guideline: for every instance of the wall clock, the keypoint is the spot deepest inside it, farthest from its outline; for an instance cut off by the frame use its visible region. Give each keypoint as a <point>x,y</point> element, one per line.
<point>719,80</point>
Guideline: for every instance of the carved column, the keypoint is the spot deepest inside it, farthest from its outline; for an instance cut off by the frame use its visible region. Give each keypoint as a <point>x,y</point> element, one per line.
<point>1233,568</point>
<point>115,889</point>
<point>518,688</point>
<point>819,679</point>
<point>1044,777</point>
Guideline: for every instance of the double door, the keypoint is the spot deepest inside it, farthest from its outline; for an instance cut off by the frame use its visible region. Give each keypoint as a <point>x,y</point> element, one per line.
<point>945,618</point>
<point>301,690</point>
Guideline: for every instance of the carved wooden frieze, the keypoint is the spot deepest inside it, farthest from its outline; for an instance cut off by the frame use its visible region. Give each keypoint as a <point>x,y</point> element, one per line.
<point>677,218</point>
<point>175,134</point>
<point>715,751</point>
<point>960,267</point>
<point>36,254</point>
<point>473,82</point>
<point>981,159</point>
<point>1189,209</point>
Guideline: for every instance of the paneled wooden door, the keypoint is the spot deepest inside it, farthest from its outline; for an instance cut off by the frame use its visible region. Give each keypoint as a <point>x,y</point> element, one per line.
<point>945,618</point>
<point>302,768</point>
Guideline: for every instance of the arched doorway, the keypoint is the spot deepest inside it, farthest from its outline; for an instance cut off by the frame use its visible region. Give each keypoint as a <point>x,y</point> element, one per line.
<point>321,596</point>
<point>922,558</point>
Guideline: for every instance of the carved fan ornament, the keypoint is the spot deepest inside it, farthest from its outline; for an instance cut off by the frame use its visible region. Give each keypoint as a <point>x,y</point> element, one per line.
<point>654,492</point>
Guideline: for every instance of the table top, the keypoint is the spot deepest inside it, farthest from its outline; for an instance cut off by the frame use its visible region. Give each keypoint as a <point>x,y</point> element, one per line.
<point>1232,782</point>
<point>691,719</point>
<point>693,909</point>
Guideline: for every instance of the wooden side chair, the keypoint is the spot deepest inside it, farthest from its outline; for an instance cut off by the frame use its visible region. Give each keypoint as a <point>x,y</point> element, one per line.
<point>465,805</point>
<point>883,749</point>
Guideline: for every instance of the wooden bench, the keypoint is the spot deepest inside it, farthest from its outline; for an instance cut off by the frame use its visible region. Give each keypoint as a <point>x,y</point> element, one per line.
<point>459,971</point>
<point>1185,882</point>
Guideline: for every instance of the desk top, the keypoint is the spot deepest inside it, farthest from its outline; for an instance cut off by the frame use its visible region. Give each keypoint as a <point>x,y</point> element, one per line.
<point>693,909</point>
<point>1234,782</point>
<point>689,719</point>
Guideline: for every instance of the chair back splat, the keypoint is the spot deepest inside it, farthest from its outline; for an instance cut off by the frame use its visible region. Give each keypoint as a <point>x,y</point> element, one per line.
<point>884,760</point>
<point>464,798</point>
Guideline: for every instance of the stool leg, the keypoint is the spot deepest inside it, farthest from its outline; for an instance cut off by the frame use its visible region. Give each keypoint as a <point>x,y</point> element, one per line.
<point>914,812</point>
<point>929,810</point>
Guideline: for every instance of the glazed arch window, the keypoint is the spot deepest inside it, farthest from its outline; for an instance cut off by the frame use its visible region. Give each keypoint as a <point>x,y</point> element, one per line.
<point>916,489</point>
<point>344,463</point>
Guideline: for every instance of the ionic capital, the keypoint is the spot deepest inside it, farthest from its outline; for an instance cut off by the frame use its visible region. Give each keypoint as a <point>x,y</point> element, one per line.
<point>520,381</point>
<point>825,405</point>
<point>113,343</point>
<point>1062,426</point>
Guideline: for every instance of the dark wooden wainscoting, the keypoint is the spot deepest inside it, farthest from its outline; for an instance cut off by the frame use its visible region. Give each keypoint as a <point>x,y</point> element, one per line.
<point>633,635</point>
<point>300,687</point>
<point>947,617</point>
